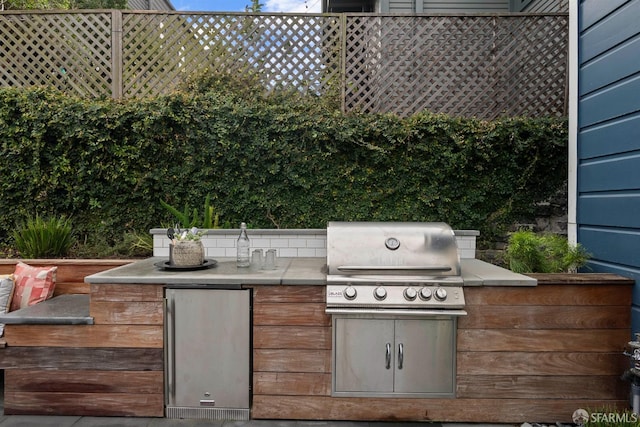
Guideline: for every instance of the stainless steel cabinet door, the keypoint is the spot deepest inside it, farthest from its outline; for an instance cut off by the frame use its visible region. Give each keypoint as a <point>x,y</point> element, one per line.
<point>425,361</point>
<point>363,355</point>
<point>383,357</point>
<point>208,332</point>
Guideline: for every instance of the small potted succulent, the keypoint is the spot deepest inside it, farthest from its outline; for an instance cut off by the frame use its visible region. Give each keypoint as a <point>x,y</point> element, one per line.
<point>185,249</point>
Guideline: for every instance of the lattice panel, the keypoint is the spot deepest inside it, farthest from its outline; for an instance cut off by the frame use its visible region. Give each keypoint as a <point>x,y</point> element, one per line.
<point>482,66</point>
<point>531,61</point>
<point>160,50</point>
<point>70,51</point>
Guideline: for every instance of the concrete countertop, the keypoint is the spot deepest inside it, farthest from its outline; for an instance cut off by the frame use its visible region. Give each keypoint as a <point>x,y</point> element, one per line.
<point>70,309</point>
<point>290,271</point>
<point>479,273</point>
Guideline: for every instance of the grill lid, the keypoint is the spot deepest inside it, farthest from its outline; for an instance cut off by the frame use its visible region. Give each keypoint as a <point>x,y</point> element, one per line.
<point>402,249</point>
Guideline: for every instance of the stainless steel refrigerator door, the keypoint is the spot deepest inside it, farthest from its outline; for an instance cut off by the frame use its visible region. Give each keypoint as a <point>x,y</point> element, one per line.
<point>208,348</point>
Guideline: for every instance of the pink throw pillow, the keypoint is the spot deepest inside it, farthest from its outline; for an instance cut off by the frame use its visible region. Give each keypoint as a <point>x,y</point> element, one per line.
<point>32,285</point>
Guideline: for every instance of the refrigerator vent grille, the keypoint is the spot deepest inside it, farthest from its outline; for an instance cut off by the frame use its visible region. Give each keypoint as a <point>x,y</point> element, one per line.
<point>176,412</point>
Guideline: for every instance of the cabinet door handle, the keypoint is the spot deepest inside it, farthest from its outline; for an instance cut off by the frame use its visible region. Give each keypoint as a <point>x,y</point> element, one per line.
<point>388,357</point>
<point>400,355</point>
<point>169,350</point>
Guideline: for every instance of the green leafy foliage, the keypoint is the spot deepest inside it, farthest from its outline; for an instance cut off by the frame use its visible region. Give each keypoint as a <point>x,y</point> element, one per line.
<point>271,159</point>
<point>528,252</point>
<point>43,238</point>
<point>189,218</point>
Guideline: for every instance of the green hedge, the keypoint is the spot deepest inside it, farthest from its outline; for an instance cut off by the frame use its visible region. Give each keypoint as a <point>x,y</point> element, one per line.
<point>280,160</point>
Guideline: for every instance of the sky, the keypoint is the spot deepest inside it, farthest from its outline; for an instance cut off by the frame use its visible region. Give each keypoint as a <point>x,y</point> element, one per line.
<point>292,6</point>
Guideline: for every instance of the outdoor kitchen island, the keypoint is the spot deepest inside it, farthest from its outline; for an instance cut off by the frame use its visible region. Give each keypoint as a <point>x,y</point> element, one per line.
<point>524,351</point>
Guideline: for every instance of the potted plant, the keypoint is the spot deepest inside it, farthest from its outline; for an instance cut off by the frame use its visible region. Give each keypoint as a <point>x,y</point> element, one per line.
<point>185,249</point>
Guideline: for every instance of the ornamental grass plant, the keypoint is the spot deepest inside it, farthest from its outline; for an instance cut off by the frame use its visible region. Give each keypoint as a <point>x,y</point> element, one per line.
<point>43,237</point>
<point>529,252</point>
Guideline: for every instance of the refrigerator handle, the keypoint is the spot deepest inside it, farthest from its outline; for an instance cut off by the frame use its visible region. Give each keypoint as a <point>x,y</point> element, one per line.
<point>169,351</point>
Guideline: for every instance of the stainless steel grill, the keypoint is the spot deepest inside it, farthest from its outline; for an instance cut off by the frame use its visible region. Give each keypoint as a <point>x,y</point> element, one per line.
<point>395,292</point>
<point>388,265</point>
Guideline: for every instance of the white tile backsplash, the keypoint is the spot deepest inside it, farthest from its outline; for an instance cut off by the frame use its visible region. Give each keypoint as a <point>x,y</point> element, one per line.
<point>292,243</point>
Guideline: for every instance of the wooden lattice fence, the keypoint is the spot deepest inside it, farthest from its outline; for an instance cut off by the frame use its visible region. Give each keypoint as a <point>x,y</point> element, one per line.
<point>482,66</point>
<point>467,65</point>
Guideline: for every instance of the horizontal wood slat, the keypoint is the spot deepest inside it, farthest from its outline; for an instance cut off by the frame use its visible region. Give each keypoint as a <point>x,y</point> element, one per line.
<point>147,382</point>
<point>445,410</point>
<point>537,387</point>
<point>288,294</point>
<point>278,383</point>
<point>587,340</point>
<point>128,336</point>
<point>71,288</point>
<point>126,292</point>
<point>87,404</point>
<point>127,313</point>
<point>541,363</point>
<point>295,313</point>
<point>82,358</point>
<point>292,360</point>
<point>292,337</point>
<point>580,295</point>
<point>545,317</point>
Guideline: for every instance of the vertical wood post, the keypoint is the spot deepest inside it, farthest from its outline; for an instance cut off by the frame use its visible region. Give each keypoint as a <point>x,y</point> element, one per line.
<point>343,60</point>
<point>116,54</point>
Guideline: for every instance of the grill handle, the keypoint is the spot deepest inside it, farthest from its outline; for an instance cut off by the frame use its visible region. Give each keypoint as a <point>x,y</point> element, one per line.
<point>391,268</point>
<point>400,355</point>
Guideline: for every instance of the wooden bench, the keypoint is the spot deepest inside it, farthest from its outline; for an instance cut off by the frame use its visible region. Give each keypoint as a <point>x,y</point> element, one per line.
<point>71,272</point>
<point>57,360</point>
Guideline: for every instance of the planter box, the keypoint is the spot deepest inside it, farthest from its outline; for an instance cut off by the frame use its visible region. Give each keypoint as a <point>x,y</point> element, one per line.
<point>290,243</point>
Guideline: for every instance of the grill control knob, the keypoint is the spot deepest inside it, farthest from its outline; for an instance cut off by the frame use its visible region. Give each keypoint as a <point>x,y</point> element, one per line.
<point>425,294</point>
<point>350,293</point>
<point>441,294</point>
<point>380,293</point>
<point>410,294</point>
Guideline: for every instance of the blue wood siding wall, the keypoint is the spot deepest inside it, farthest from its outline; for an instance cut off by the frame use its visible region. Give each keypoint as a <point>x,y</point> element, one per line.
<point>608,193</point>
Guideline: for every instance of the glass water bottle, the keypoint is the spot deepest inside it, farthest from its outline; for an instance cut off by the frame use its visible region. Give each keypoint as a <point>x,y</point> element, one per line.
<point>243,247</point>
